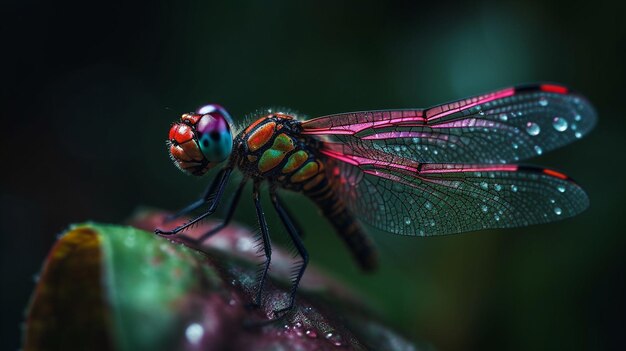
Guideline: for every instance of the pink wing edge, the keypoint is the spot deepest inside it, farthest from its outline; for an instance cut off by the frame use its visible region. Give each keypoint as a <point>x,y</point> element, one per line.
<point>336,124</point>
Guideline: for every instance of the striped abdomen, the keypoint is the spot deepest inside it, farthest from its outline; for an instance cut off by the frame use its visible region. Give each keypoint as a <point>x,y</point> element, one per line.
<point>334,208</point>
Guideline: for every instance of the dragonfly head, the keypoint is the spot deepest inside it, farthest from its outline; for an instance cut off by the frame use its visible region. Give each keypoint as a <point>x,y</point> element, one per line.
<point>201,140</point>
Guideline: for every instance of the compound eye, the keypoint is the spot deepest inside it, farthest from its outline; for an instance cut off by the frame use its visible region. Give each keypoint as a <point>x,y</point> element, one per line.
<point>214,136</point>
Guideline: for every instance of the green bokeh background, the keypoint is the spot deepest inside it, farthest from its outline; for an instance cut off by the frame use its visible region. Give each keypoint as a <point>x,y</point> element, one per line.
<point>89,90</point>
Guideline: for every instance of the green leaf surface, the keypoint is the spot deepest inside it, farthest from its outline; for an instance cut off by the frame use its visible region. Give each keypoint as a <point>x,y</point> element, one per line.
<point>107,287</point>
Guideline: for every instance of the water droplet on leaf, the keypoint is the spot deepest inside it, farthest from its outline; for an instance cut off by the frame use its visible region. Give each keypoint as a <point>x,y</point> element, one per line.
<point>194,333</point>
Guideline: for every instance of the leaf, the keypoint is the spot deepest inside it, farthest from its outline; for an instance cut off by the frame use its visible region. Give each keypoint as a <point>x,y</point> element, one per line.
<point>106,287</point>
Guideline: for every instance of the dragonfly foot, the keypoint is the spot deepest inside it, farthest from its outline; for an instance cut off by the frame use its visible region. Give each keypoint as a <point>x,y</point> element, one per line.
<point>166,232</point>
<point>281,312</point>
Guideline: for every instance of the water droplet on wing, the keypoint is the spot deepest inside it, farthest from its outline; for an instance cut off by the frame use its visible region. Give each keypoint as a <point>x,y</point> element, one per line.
<point>538,150</point>
<point>532,128</point>
<point>558,211</point>
<point>560,124</point>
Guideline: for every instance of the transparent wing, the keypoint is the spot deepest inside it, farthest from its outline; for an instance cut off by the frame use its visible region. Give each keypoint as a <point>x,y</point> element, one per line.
<point>504,126</point>
<point>438,199</point>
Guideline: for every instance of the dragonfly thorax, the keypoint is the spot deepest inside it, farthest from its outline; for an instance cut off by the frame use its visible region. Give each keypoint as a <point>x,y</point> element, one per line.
<point>272,148</point>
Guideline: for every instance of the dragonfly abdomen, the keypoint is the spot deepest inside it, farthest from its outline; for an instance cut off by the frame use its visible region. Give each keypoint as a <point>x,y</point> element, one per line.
<point>347,227</point>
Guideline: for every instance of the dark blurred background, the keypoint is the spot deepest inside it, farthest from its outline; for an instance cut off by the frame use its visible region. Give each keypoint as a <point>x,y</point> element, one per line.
<point>89,90</point>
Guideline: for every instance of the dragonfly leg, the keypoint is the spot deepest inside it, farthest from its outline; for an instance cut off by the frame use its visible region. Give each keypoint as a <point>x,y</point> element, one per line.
<point>220,182</point>
<point>265,237</point>
<point>295,224</point>
<point>208,195</point>
<point>229,215</point>
<point>297,240</point>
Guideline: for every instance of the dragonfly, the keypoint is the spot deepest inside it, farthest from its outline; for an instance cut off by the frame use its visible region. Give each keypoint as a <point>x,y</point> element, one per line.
<point>447,169</point>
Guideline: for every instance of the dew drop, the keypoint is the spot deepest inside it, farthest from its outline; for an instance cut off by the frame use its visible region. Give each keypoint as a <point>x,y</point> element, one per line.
<point>543,102</point>
<point>552,201</point>
<point>244,244</point>
<point>578,135</point>
<point>532,128</point>
<point>428,205</point>
<point>503,117</point>
<point>432,222</point>
<point>577,118</point>
<point>558,211</point>
<point>538,150</point>
<point>481,113</point>
<point>514,188</point>
<point>574,126</point>
<point>498,187</point>
<point>515,146</point>
<point>407,220</point>
<point>335,339</point>
<point>484,208</point>
<point>194,333</point>
<point>484,185</point>
<point>560,124</point>
<point>560,188</point>
<point>311,334</point>
<point>397,149</point>
<point>496,217</point>
<point>415,140</point>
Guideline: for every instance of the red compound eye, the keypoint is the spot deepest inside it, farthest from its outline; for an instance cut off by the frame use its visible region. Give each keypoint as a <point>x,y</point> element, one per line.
<point>180,133</point>
<point>190,118</point>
